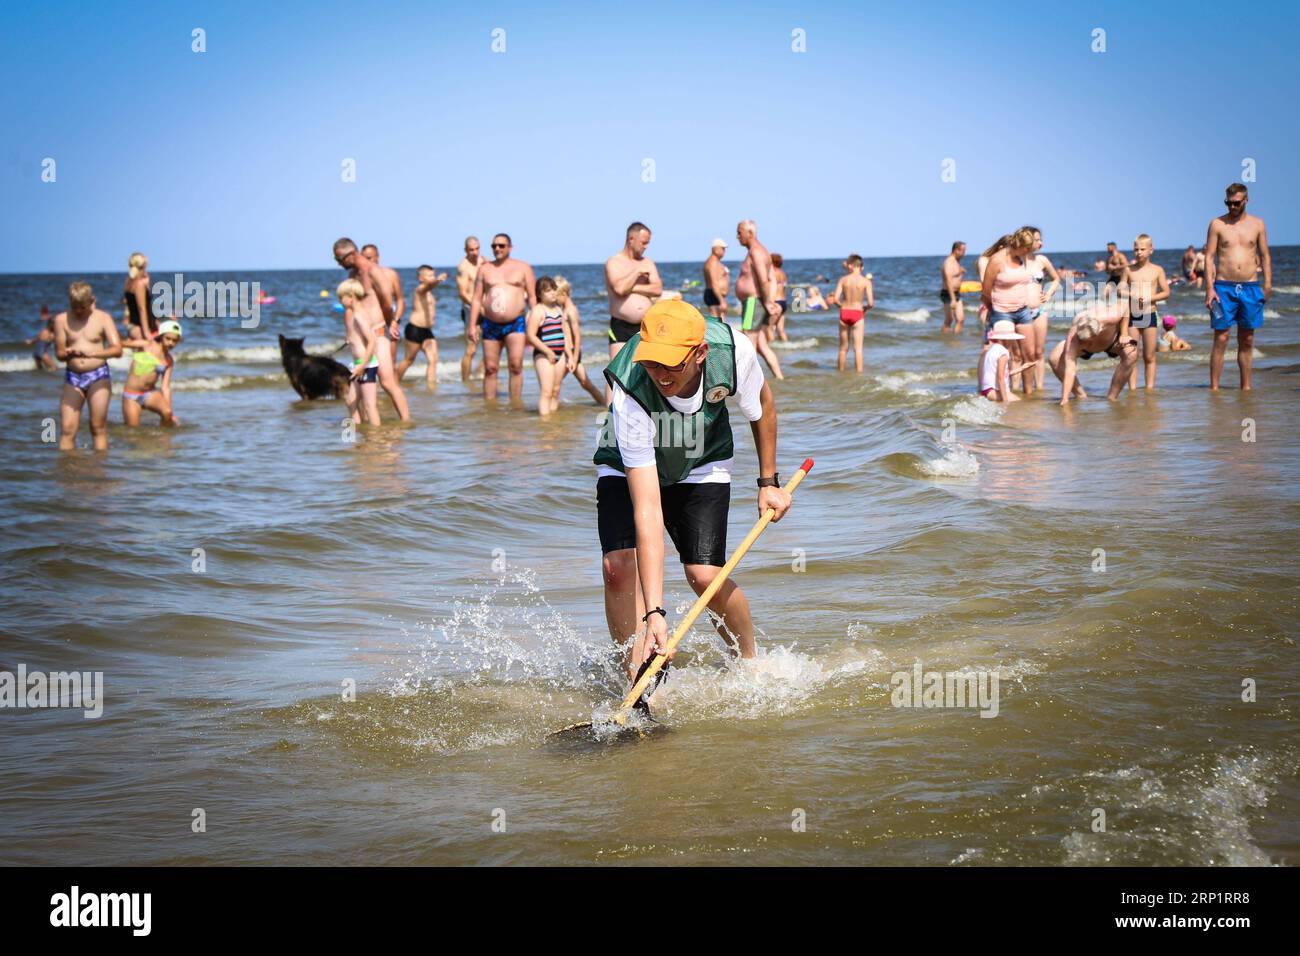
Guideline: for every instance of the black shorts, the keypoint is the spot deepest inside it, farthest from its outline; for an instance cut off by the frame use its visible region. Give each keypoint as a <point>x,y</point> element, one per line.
<point>695,516</point>
<point>417,335</point>
<point>620,331</point>
<point>711,298</point>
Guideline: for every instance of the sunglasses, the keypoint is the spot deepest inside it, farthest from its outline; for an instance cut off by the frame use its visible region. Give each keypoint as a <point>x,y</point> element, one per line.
<point>1234,202</point>
<point>675,369</point>
<point>500,245</point>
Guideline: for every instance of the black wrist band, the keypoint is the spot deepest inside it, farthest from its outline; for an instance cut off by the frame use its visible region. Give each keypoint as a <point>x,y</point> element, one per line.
<point>773,482</point>
<point>654,610</point>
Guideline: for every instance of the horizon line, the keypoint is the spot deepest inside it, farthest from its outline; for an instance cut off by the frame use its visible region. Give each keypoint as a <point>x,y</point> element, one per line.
<point>325,268</point>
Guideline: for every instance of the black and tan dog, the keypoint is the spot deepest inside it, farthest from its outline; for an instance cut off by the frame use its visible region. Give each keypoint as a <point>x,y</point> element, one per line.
<point>312,376</point>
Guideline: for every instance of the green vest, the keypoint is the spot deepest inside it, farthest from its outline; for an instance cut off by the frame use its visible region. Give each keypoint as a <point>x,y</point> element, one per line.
<point>683,441</point>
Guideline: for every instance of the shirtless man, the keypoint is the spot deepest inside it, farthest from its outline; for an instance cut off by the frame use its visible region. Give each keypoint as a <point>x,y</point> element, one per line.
<point>1116,263</point>
<point>950,274</point>
<point>1104,330</point>
<point>371,252</point>
<point>1200,267</point>
<point>632,283</point>
<point>717,281</point>
<point>504,292</point>
<point>466,273</point>
<point>1236,245</point>
<point>419,332</point>
<point>85,337</point>
<point>756,291</point>
<point>376,307</point>
<point>1145,284</point>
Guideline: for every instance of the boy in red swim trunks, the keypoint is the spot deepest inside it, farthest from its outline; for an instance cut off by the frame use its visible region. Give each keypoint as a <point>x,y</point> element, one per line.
<point>854,296</point>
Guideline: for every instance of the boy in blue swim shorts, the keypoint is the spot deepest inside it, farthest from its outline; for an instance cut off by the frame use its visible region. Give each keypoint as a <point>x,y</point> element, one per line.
<point>1236,252</point>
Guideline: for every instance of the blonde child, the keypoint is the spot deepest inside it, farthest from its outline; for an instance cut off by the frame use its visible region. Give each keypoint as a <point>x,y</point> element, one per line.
<point>571,319</point>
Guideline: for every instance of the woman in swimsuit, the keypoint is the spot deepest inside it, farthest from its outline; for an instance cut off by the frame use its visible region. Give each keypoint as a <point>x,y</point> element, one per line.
<point>1039,298</point>
<point>1006,291</point>
<point>135,296</point>
<point>779,282</point>
<point>548,334</point>
<point>149,385</point>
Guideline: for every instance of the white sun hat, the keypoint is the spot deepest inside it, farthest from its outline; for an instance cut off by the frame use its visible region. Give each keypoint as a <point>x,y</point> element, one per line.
<point>1004,329</point>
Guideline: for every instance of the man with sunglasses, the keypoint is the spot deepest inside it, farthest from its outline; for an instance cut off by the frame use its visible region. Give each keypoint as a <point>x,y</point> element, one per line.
<point>664,463</point>
<point>376,307</point>
<point>1236,247</point>
<point>504,291</point>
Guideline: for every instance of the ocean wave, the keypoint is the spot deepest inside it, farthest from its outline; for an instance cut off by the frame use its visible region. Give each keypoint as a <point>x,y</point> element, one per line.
<point>976,410</point>
<point>253,354</point>
<point>218,382</point>
<point>955,462</point>
<point>1207,812</point>
<point>913,316</point>
<point>1287,289</point>
<point>796,344</point>
<point>906,382</point>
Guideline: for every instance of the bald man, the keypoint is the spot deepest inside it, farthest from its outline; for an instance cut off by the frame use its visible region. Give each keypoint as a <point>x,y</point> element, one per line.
<point>756,289</point>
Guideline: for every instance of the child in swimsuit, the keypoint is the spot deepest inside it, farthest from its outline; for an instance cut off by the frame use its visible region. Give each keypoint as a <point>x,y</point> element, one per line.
<point>548,334</point>
<point>995,363</point>
<point>1169,340</point>
<point>572,319</point>
<point>149,384</point>
<point>853,294</point>
<point>363,386</point>
<point>86,338</point>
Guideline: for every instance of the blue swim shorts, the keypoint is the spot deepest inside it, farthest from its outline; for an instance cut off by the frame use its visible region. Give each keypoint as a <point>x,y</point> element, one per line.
<point>1241,304</point>
<point>496,331</point>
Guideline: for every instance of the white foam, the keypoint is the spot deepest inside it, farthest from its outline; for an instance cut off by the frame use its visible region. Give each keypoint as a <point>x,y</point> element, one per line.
<point>1216,806</point>
<point>1287,289</point>
<point>1272,314</point>
<point>252,353</point>
<point>956,462</point>
<point>977,410</point>
<point>914,316</point>
<point>217,382</point>
<point>777,681</point>
<point>795,344</point>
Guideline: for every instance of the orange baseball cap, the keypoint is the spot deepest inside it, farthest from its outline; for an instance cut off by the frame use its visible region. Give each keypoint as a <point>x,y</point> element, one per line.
<point>669,330</point>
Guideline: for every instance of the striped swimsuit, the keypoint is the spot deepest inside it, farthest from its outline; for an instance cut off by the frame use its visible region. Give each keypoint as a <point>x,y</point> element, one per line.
<point>551,331</point>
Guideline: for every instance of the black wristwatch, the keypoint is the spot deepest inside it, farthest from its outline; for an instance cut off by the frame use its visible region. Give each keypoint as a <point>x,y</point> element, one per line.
<point>654,610</point>
<point>773,482</point>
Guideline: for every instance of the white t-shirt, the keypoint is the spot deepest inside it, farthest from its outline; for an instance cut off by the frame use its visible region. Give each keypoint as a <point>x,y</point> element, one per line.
<point>634,431</point>
<point>989,366</point>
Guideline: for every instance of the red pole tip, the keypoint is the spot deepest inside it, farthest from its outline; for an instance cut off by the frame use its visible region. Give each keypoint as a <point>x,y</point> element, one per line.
<point>807,465</point>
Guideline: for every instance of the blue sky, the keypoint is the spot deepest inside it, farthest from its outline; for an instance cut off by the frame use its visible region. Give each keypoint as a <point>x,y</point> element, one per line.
<point>232,158</point>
